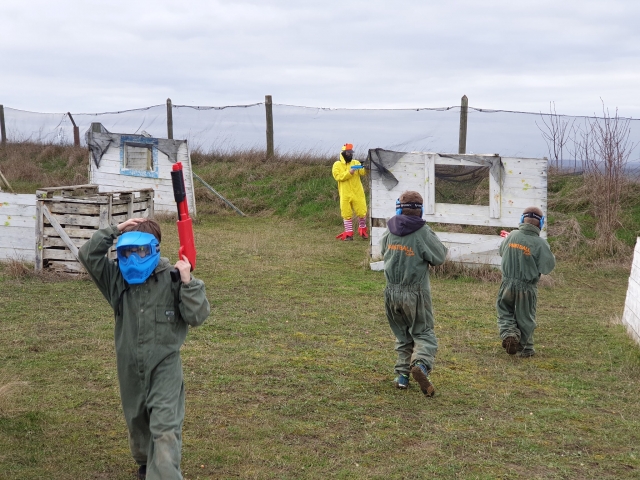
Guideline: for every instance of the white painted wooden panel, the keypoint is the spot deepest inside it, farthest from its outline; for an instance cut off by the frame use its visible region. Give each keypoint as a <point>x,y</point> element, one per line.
<point>464,238</point>
<point>524,163</point>
<point>443,160</point>
<point>459,244</point>
<point>429,196</point>
<point>490,245</point>
<point>17,226</point>
<point>109,179</point>
<point>480,259</point>
<point>524,184</point>
<point>495,197</point>
<point>631,314</point>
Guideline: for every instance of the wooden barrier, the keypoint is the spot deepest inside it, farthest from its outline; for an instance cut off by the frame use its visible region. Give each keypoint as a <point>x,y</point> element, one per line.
<point>631,314</point>
<point>66,217</point>
<point>523,183</point>
<point>17,220</point>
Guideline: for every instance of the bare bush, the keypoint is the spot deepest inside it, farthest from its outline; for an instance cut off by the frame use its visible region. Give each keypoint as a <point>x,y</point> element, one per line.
<point>606,148</point>
<point>602,145</point>
<point>16,269</point>
<point>556,133</point>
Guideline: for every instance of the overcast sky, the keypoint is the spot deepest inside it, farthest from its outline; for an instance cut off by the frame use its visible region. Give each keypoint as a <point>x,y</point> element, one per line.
<point>98,56</point>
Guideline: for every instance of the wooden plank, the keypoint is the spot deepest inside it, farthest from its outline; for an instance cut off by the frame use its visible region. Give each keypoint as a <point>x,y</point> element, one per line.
<point>495,197</point>
<point>528,162</point>
<point>164,200</point>
<point>463,238</point>
<point>67,191</point>
<point>58,228</point>
<point>377,266</point>
<point>460,160</point>
<point>185,158</point>
<point>150,210</point>
<point>525,171</point>
<point>429,185</point>
<point>75,208</point>
<point>66,267</point>
<point>18,235</point>
<point>118,219</point>
<point>480,259</point>
<point>96,199</point>
<point>525,182</point>
<point>71,232</point>
<point>513,205</point>
<point>57,254</point>
<point>104,216</point>
<point>130,206</point>
<point>48,242</point>
<point>476,248</point>
<point>39,228</point>
<point>77,220</point>
<point>18,254</point>
<point>18,221</point>
<point>18,209</point>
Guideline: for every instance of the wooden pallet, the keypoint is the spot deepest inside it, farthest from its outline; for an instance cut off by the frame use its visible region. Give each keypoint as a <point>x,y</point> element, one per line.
<point>66,217</point>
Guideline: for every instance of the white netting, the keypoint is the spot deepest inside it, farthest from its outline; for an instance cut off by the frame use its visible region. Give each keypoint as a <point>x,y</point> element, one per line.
<point>319,131</point>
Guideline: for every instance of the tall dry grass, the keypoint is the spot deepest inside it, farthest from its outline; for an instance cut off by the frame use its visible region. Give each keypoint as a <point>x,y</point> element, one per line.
<point>28,166</point>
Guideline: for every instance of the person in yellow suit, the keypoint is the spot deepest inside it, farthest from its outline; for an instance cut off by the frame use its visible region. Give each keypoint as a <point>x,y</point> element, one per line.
<point>347,172</point>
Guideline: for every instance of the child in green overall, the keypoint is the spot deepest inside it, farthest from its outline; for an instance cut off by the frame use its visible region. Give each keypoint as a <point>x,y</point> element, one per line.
<point>152,315</point>
<point>409,247</point>
<point>524,257</point>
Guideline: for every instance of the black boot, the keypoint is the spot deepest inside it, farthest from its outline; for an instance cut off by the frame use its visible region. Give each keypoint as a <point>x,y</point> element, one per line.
<point>142,472</point>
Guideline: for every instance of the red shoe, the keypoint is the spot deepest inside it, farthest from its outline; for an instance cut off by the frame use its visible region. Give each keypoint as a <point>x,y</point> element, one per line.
<point>362,231</point>
<point>345,236</point>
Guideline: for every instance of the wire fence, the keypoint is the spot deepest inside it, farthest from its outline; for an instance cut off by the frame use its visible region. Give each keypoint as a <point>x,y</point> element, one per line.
<point>314,130</point>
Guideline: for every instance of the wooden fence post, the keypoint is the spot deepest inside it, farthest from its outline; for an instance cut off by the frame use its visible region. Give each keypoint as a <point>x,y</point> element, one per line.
<point>268,105</point>
<point>169,119</point>
<point>462,142</point>
<point>76,131</point>
<point>3,132</point>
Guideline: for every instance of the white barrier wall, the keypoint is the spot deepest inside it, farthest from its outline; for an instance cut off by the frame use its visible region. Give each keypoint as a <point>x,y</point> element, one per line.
<point>631,315</point>
<point>113,176</point>
<point>17,227</point>
<point>523,184</point>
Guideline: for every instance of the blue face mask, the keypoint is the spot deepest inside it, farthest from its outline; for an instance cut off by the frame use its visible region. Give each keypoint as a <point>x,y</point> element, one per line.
<point>138,256</point>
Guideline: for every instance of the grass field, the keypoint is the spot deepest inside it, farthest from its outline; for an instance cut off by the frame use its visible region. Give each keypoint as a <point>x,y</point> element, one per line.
<point>291,376</point>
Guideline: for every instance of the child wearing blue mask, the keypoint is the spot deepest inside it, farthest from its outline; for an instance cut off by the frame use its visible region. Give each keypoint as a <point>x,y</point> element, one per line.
<point>152,315</point>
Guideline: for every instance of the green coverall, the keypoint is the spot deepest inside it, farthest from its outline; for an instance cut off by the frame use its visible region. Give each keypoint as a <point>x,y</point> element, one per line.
<point>524,257</point>
<point>407,295</point>
<point>350,188</point>
<point>151,324</point>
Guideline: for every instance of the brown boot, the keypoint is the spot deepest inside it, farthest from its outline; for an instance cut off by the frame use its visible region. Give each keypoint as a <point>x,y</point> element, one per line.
<point>421,375</point>
<point>510,344</point>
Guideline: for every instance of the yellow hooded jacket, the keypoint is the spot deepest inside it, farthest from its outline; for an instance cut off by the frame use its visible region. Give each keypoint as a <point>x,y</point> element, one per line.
<point>350,188</point>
